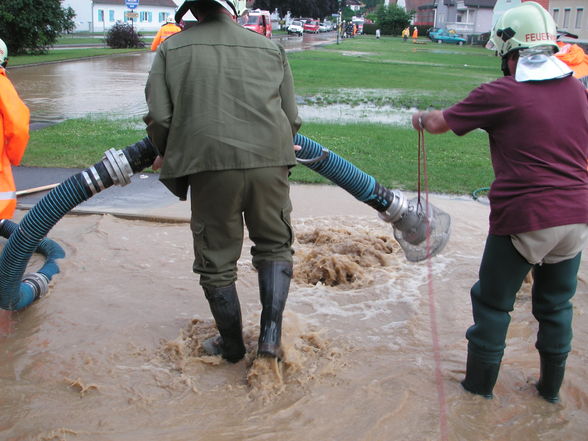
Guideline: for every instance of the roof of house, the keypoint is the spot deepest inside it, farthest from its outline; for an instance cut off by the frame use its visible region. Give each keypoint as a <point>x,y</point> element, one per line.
<point>164,3</point>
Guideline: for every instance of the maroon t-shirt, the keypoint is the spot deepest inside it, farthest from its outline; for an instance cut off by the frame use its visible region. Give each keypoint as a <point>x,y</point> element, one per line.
<point>538,134</point>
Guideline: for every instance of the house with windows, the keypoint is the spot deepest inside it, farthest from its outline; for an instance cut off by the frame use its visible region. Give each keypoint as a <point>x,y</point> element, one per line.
<point>101,15</point>
<point>570,16</point>
<point>467,17</point>
<point>354,5</point>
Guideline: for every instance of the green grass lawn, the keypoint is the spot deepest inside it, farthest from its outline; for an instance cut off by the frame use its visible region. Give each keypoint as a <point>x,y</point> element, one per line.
<point>362,70</point>
<point>456,165</point>
<point>402,74</point>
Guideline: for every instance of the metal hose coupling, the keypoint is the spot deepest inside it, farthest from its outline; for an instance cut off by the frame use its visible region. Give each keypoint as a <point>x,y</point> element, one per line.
<point>38,282</point>
<point>122,164</point>
<point>398,205</point>
<point>117,166</point>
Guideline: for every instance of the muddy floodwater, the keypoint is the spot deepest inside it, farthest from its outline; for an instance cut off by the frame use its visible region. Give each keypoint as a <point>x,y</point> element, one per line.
<point>374,346</point>
<point>109,86</point>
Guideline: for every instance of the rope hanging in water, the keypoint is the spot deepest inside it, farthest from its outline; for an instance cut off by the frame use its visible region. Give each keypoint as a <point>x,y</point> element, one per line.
<point>423,179</point>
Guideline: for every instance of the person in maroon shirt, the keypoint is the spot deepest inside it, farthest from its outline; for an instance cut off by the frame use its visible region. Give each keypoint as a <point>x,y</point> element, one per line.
<point>536,117</point>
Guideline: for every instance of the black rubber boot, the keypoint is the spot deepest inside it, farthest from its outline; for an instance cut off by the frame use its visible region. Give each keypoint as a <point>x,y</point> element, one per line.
<point>553,368</point>
<point>274,283</point>
<point>225,308</point>
<point>480,376</point>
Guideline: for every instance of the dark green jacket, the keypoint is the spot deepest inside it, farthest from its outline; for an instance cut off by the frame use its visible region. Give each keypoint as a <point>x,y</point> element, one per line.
<point>220,97</point>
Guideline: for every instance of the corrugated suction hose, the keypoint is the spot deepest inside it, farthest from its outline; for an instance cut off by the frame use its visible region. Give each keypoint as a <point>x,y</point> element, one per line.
<point>116,168</point>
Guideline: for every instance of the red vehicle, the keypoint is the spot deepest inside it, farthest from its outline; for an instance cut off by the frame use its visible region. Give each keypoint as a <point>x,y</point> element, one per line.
<point>311,26</point>
<point>258,21</point>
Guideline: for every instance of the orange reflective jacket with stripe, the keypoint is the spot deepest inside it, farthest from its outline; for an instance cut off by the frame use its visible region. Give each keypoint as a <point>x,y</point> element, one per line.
<point>165,31</point>
<point>14,134</point>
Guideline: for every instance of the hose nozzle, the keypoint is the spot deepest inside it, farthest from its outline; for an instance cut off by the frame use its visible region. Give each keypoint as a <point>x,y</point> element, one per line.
<point>416,224</point>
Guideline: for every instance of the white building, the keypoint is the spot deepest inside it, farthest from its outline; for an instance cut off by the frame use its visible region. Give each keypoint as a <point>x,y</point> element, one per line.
<point>149,15</point>
<point>465,16</point>
<point>101,15</point>
<point>354,5</point>
<point>571,16</point>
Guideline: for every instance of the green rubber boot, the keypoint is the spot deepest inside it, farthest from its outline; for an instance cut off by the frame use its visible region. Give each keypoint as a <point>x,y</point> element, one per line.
<point>480,377</point>
<point>553,368</point>
<point>226,310</point>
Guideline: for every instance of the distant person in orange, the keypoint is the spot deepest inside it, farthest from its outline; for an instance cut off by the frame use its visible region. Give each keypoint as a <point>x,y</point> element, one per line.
<point>14,134</point>
<point>415,34</point>
<point>169,28</point>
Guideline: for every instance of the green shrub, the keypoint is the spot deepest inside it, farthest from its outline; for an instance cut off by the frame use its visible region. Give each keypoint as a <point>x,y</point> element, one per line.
<point>123,36</point>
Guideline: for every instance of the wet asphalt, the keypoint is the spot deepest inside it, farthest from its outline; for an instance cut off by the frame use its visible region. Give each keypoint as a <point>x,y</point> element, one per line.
<point>144,193</point>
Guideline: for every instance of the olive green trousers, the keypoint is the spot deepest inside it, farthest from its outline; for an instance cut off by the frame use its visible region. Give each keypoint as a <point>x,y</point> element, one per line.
<point>501,275</point>
<point>223,202</point>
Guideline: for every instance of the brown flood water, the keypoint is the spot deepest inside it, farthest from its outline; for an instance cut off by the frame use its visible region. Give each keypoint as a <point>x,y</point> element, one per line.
<point>109,86</point>
<point>374,350</point>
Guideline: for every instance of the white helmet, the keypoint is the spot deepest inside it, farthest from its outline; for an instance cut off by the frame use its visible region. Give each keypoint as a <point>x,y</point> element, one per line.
<point>3,54</point>
<point>227,4</point>
<point>170,19</point>
<point>523,27</point>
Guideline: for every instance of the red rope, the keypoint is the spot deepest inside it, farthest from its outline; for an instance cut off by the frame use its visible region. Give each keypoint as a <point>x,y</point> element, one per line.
<point>422,164</point>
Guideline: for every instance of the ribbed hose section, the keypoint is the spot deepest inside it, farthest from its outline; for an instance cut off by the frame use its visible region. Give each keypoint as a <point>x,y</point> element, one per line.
<point>346,175</point>
<point>14,294</point>
<point>47,247</point>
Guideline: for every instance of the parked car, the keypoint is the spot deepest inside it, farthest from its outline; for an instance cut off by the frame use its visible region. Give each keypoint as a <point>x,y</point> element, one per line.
<point>445,36</point>
<point>324,27</point>
<point>296,27</point>
<point>311,26</point>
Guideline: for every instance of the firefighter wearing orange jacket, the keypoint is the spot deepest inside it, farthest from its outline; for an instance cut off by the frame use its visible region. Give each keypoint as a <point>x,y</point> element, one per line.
<point>165,31</point>
<point>14,133</point>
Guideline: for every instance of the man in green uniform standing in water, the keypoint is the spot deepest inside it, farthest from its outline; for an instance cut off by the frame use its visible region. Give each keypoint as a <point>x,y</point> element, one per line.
<point>222,114</point>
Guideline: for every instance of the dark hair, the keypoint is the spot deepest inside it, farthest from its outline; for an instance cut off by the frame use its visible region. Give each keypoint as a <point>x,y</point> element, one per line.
<point>514,55</point>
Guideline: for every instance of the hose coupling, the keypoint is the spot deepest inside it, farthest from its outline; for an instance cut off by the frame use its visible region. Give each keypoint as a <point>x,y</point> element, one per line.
<point>118,167</point>
<point>397,208</point>
<point>38,282</point>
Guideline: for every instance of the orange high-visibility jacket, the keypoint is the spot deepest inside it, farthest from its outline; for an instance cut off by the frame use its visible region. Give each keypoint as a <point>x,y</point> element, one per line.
<point>575,57</point>
<point>165,31</point>
<point>14,134</point>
